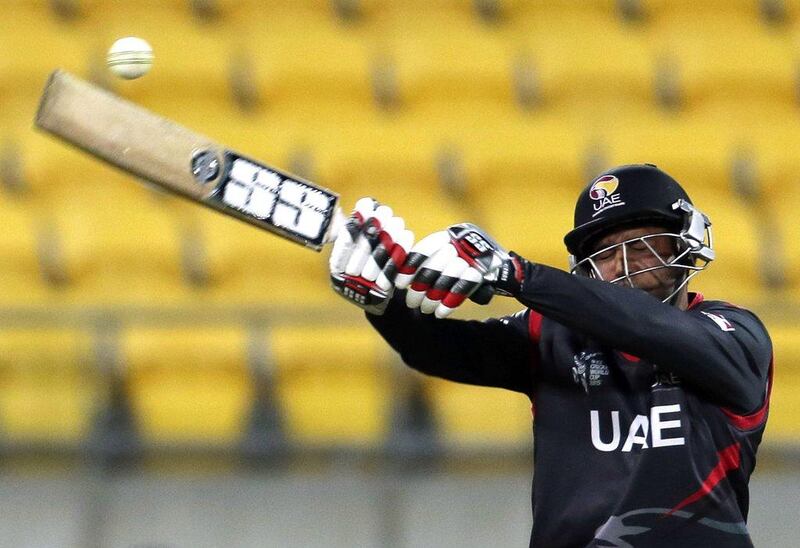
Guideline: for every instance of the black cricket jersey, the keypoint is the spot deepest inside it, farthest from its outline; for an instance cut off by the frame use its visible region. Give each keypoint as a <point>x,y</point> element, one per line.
<point>647,418</point>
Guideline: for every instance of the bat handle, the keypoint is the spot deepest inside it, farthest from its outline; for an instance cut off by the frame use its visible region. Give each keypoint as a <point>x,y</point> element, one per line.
<point>338,221</point>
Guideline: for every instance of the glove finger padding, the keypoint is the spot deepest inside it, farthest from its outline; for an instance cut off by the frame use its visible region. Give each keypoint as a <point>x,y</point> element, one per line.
<point>448,277</point>
<point>420,253</point>
<point>465,286</point>
<point>348,234</point>
<point>402,241</point>
<point>365,254</point>
<point>447,267</point>
<point>428,274</point>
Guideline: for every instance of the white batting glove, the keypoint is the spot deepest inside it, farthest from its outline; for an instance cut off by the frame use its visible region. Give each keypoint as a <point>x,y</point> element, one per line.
<point>367,254</point>
<point>447,267</point>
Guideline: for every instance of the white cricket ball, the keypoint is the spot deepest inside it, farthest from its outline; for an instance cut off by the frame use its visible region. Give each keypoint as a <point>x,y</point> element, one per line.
<point>130,57</point>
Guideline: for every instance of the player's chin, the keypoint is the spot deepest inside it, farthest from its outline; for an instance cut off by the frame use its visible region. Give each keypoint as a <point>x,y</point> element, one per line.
<point>651,286</point>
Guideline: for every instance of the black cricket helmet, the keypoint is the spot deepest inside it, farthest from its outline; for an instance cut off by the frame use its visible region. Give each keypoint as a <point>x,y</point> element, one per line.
<point>639,195</point>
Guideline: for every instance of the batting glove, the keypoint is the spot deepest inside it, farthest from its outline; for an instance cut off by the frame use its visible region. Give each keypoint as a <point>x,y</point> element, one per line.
<point>369,249</point>
<point>447,267</point>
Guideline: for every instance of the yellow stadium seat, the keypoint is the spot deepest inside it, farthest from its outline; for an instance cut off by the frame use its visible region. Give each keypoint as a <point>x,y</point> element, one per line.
<point>191,60</point>
<point>49,389</point>
<point>471,416</point>
<point>783,207</point>
<point>443,54</point>
<point>725,55</point>
<point>248,266</point>
<point>526,176</point>
<point>584,59</point>
<point>40,43</point>
<point>333,384</point>
<point>697,150</point>
<point>21,281</point>
<point>785,402</point>
<point>117,244</point>
<point>658,9</point>
<point>302,54</point>
<point>531,217</point>
<point>393,160</point>
<point>734,274</point>
<point>188,384</point>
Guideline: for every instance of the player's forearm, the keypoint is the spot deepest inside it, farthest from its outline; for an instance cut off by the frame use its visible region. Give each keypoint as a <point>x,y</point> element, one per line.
<point>635,322</point>
<point>472,352</point>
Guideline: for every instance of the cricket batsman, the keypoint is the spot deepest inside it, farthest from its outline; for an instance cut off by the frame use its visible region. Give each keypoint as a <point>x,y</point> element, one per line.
<point>649,401</point>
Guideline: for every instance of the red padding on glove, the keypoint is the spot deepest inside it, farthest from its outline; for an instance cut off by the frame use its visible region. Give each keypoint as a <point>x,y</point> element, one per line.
<point>452,300</point>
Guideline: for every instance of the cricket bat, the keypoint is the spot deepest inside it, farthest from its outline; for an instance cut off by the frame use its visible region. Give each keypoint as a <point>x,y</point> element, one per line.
<point>181,161</point>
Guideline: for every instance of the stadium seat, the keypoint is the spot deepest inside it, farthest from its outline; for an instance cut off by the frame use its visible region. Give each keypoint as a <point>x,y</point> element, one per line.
<point>531,217</point>
<point>505,110</point>
<point>21,282</point>
<point>187,384</point>
<point>302,54</point>
<point>695,149</point>
<point>191,60</point>
<point>395,162</point>
<point>734,275</point>
<point>783,206</point>
<point>49,390</point>
<point>248,266</point>
<point>333,384</point>
<point>42,43</point>
<point>470,417</point>
<point>117,244</point>
<point>447,54</point>
<point>750,9</point>
<point>584,59</point>
<point>727,55</point>
<point>785,403</point>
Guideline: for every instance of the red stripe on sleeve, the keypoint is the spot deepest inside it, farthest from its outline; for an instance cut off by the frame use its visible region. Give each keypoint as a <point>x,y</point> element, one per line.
<point>728,460</point>
<point>748,422</point>
<point>535,325</point>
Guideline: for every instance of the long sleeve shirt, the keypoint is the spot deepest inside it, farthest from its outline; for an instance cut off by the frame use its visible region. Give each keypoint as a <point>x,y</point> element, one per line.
<point>647,417</point>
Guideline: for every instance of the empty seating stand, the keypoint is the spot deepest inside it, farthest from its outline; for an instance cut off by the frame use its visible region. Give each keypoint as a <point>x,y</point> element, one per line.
<point>495,112</point>
<point>187,384</point>
<point>50,388</point>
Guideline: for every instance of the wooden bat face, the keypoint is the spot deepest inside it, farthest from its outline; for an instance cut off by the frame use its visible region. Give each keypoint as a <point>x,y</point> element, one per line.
<point>181,161</point>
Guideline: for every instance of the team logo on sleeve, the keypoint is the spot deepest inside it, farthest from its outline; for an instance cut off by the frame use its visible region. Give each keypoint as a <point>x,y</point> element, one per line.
<point>604,192</point>
<point>721,321</point>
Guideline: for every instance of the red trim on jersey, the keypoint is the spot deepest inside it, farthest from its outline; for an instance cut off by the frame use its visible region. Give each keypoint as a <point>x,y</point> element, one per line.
<point>694,300</point>
<point>756,418</point>
<point>535,331</point>
<point>728,459</point>
<point>535,325</point>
